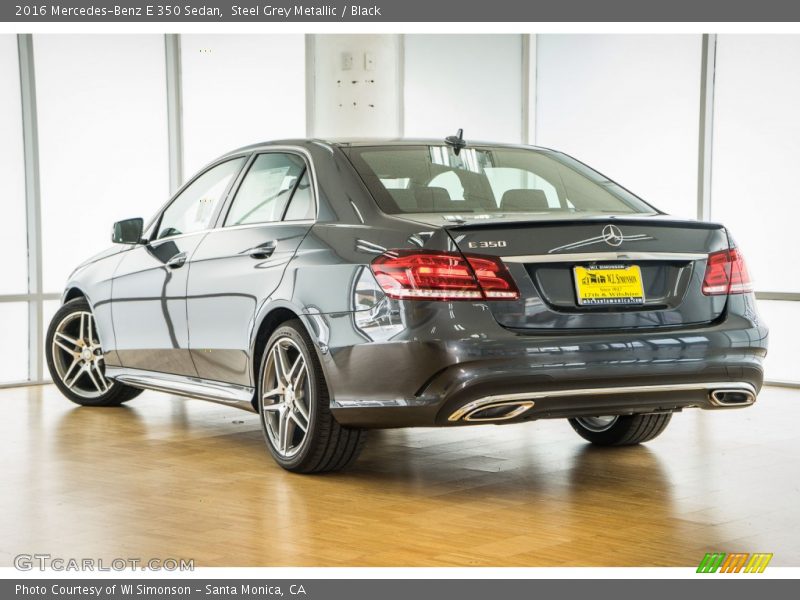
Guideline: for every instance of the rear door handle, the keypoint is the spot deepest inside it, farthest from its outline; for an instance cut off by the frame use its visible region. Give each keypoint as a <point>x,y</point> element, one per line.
<point>177,261</point>
<point>264,250</point>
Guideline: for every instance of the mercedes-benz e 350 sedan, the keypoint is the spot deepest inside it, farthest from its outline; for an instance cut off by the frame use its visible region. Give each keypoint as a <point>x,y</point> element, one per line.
<point>333,287</point>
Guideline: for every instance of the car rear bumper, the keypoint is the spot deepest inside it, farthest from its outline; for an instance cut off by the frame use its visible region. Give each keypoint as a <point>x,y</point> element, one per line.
<point>412,383</point>
<point>555,403</point>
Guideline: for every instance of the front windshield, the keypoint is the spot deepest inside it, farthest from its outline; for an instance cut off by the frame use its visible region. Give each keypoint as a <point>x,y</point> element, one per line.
<point>487,180</point>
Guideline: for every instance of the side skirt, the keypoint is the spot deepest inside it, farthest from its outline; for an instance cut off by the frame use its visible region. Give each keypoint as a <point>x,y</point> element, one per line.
<point>229,394</point>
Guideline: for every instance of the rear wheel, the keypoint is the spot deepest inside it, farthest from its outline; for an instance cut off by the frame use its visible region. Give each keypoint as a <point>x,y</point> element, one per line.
<point>622,430</point>
<point>293,402</point>
<point>75,358</point>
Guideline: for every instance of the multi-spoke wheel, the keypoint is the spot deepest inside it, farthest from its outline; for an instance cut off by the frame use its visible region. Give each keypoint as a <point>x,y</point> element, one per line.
<point>622,430</point>
<point>294,405</point>
<point>285,401</point>
<point>76,361</point>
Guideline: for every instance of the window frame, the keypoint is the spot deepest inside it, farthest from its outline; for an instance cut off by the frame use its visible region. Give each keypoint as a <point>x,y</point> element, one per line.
<point>233,192</point>
<point>384,202</point>
<point>155,223</point>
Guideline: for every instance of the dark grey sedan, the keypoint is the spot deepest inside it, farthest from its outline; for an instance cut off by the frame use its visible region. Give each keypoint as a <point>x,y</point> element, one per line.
<point>333,287</point>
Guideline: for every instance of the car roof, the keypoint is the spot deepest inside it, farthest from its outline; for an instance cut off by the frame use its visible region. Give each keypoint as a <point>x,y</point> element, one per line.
<point>356,142</point>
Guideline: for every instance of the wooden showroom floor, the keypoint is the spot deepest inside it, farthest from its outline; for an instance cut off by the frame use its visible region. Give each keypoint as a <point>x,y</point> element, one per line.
<point>166,477</point>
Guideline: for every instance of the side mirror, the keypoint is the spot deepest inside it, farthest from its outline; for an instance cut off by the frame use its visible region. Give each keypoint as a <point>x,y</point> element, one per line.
<point>128,231</point>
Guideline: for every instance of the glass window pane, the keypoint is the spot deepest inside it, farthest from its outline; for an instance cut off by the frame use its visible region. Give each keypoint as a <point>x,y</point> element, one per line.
<point>628,105</point>
<point>302,204</point>
<point>102,141</point>
<point>756,150</point>
<point>487,179</point>
<point>469,81</point>
<point>266,189</point>
<point>13,242</point>
<point>193,209</point>
<point>783,319</point>
<point>503,180</point>
<point>13,362</point>
<point>239,90</point>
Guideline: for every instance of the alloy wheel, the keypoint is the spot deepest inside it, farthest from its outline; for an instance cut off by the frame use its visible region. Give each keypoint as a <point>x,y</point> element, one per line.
<point>285,401</point>
<point>78,356</point>
<point>597,424</point>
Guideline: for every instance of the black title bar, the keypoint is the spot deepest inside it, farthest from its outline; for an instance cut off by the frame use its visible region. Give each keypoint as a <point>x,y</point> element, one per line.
<point>218,11</point>
<point>738,588</point>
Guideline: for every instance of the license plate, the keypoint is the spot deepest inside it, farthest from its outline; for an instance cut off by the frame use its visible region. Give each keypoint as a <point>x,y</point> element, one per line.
<point>609,285</point>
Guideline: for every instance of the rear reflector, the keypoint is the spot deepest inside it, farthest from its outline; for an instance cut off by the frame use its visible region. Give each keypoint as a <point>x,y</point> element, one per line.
<point>726,273</point>
<point>414,274</point>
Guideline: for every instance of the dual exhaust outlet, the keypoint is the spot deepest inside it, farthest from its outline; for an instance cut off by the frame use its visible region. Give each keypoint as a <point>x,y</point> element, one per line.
<point>509,406</point>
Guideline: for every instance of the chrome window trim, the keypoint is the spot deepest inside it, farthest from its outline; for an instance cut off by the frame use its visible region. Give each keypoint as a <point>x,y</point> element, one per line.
<point>264,224</point>
<point>158,242</point>
<point>487,401</point>
<point>595,256</point>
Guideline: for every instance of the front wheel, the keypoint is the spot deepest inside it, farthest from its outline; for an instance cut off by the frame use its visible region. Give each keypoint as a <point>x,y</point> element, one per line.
<point>75,358</point>
<point>293,402</point>
<point>622,430</point>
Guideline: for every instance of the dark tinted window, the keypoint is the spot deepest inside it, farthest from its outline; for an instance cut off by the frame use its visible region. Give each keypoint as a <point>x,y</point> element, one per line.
<point>409,179</point>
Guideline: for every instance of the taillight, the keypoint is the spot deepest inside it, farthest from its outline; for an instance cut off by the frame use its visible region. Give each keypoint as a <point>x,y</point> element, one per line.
<point>415,274</point>
<point>726,273</point>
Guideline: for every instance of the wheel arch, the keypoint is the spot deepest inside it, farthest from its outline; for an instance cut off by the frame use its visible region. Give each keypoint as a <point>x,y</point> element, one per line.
<point>272,317</point>
<point>73,292</point>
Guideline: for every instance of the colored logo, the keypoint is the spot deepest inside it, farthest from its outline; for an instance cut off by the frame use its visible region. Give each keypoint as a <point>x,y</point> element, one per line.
<point>741,562</point>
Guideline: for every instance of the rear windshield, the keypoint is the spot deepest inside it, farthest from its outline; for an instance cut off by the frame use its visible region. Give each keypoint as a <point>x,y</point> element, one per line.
<point>434,179</point>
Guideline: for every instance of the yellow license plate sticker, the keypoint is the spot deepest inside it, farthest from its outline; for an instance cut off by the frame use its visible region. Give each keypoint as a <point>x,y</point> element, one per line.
<point>608,285</point>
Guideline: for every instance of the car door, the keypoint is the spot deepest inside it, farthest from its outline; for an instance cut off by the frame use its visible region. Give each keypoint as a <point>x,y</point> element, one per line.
<point>240,264</point>
<point>148,299</point>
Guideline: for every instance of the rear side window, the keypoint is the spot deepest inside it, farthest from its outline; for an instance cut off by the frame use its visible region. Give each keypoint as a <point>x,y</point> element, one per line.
<point>275,187</point>
<point>491,180</point>
<point>301,206</point>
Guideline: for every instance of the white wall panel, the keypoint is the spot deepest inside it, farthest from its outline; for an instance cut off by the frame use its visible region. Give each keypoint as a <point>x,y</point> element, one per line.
<point>13,241</point>
<point>13,355</point>
<point>102,140</point>
<point>240,90</point>
<point>356,86</point>
<point>472,82</point>
<point>628,105</point>
<point>756,152</point>
<point>784,331</point>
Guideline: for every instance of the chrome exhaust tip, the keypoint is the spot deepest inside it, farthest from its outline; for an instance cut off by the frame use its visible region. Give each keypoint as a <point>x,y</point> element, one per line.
<point>732,398</point>
<point>495,411</point>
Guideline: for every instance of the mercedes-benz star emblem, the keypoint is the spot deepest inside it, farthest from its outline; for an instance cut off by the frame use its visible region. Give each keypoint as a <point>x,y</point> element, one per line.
<point>612,235</point>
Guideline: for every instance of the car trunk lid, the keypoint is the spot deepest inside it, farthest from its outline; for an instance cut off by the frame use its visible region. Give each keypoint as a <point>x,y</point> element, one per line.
<point>662,258</point>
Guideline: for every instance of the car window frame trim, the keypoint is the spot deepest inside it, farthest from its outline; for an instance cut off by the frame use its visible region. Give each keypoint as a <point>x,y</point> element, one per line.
<point>155,222</point>
<point>353,151</point>
<point>304,155</point>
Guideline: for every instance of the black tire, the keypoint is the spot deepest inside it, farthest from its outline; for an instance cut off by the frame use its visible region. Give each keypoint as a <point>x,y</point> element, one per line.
<point>80,392</point>
<point>626,430</point>
<point>327,445</point>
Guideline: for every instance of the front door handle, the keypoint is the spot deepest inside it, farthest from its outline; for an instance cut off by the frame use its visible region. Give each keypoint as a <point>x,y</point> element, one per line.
<point>177,261</point>
<point>264,250</point>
